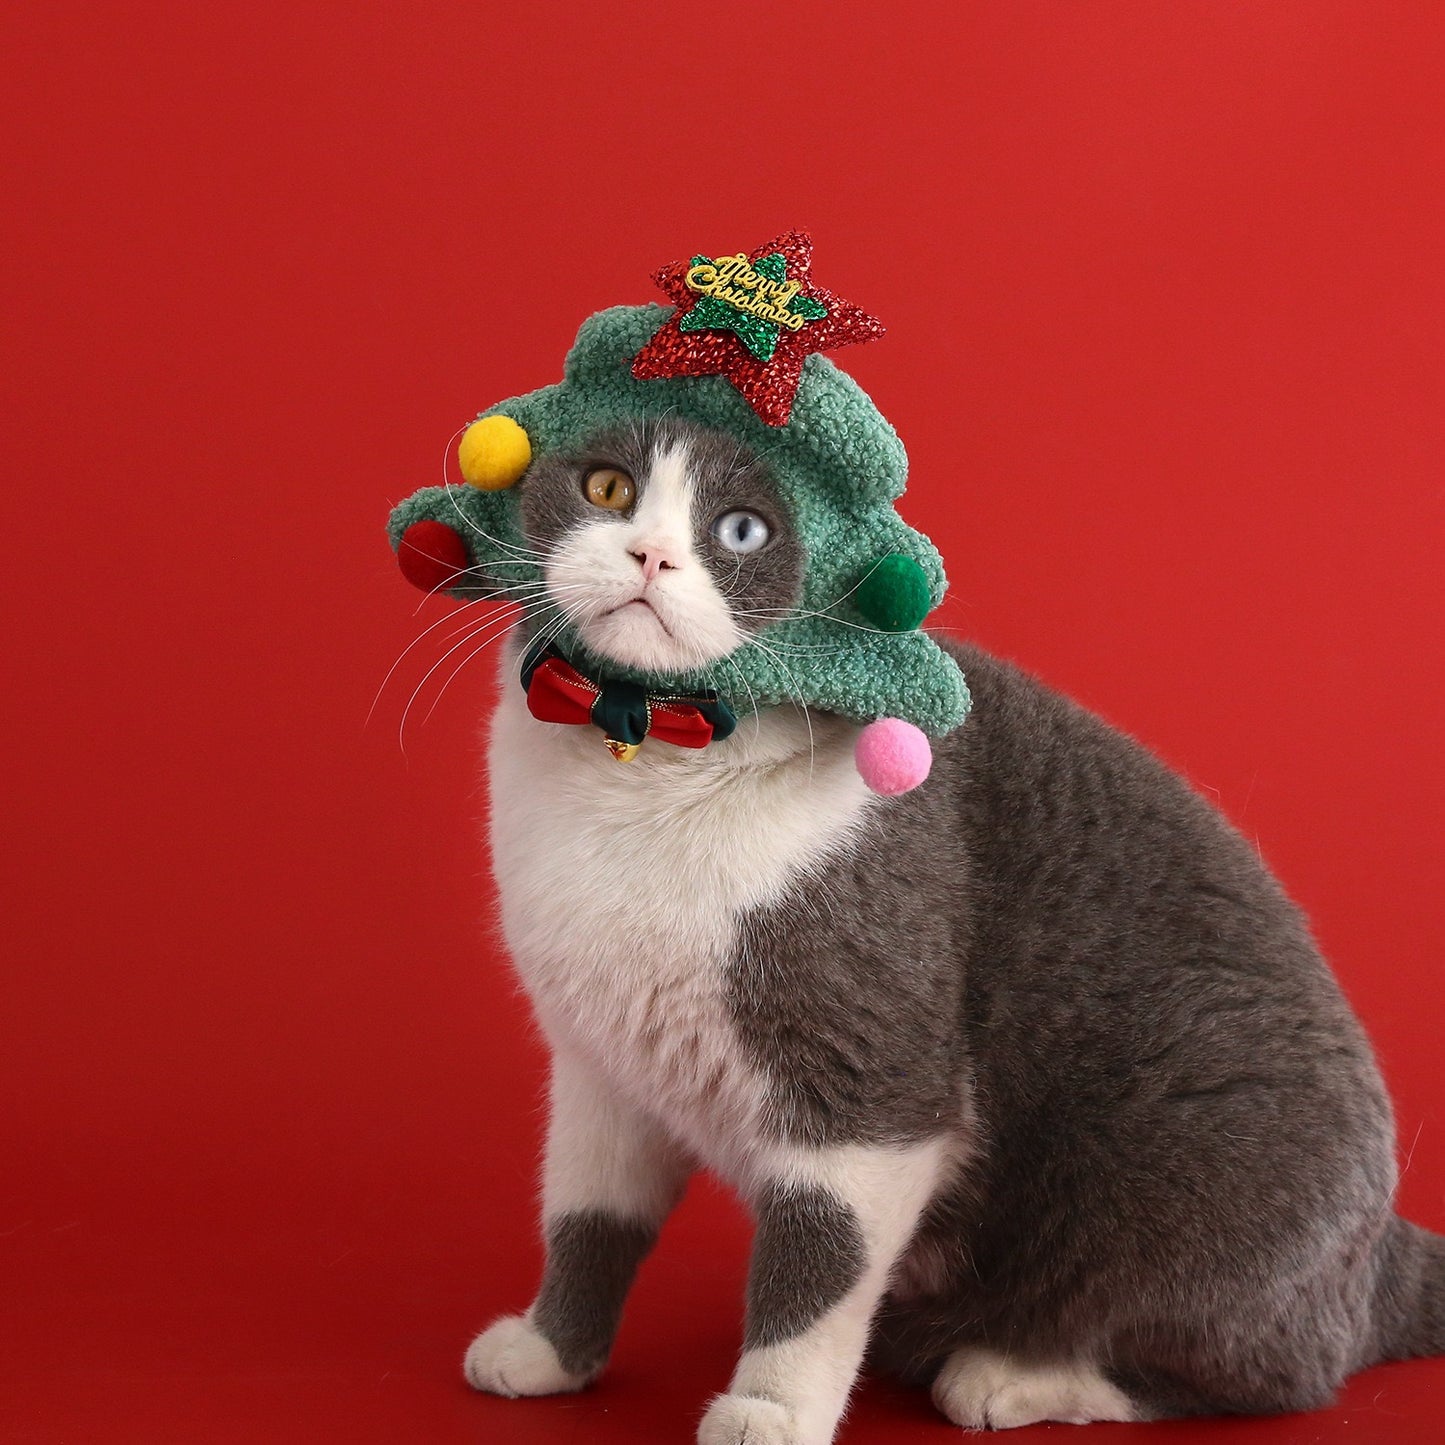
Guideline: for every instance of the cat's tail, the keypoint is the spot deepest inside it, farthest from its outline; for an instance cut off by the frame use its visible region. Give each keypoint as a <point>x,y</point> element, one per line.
<point>1410,1292</point>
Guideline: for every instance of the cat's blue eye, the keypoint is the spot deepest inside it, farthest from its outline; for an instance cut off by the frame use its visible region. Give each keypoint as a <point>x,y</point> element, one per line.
<point>741,531</point>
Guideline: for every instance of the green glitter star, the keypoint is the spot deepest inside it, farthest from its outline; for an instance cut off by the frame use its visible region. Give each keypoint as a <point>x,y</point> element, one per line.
<point>760,336</point>
<point>774,267</point>
<point>709,314</point>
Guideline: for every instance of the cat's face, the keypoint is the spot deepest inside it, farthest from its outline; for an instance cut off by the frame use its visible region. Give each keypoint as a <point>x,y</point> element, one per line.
<point>666,543</point>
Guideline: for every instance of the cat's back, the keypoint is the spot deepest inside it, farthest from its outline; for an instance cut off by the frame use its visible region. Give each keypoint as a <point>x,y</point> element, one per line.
<point>1151,1031</point>
<point>1054,800</point>
<point>1108,897</point>
<point>1087,853</point>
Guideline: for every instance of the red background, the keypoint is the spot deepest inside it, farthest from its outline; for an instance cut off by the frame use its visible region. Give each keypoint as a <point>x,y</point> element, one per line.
<point>1164,286</point>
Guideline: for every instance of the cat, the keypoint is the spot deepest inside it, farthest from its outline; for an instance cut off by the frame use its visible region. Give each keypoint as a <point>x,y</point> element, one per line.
<point>1033,1078</point>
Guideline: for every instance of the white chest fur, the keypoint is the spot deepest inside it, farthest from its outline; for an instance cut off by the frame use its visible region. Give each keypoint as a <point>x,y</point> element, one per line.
<point>622,885</point>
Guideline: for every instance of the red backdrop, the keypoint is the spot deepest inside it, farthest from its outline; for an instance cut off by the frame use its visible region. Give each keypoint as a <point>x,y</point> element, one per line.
<point>1165,298</point>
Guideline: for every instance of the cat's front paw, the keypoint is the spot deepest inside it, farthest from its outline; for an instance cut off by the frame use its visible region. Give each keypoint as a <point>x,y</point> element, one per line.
<point>510,1358</point>
<point>746,1420</point>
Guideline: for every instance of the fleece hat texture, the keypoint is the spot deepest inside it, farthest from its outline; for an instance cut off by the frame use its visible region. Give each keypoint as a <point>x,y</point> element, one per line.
<point>852,645</point>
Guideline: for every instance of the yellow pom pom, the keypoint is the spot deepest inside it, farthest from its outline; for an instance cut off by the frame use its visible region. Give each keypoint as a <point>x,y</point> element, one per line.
<point>494,453</point>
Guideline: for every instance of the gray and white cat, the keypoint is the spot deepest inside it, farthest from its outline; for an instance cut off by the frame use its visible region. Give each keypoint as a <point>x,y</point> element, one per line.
<point>1033,1077</point>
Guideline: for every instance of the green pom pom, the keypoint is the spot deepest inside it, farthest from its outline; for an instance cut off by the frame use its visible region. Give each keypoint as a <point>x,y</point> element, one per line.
<point>895,594</point>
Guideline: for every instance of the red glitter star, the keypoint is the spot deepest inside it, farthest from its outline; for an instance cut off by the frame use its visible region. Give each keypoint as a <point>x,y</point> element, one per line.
<point>768,386</point>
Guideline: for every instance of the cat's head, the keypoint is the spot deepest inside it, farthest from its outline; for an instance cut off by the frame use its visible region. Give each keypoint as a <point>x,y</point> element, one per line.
<point>661,535</point>
<point>664,544</point>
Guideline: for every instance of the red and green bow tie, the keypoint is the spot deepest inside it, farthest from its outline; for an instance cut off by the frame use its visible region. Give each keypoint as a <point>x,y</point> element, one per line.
<point>625,711</point>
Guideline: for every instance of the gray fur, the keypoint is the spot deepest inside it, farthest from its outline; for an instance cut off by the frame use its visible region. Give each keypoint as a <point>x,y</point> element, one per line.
<point>591,1260</point>
<point>808,1253</point>
<point>1183,1157</point>
<point>1410,1305</point>
<point>847,991</point>
<point>1180,1156</point>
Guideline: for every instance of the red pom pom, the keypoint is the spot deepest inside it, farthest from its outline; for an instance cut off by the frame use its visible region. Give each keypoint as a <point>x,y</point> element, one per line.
<point>432,555</point>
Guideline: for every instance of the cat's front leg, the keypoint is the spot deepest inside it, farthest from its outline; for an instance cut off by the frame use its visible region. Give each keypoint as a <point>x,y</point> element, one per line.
<point>831,1223</point>
<point>611,1177</point>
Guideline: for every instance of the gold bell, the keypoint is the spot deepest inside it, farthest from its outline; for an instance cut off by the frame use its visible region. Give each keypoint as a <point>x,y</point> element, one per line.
<point>623,752</point>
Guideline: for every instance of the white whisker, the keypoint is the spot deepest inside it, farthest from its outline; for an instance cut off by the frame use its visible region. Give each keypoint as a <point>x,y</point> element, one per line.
<point>519,554</point>
<point>432,670</point>
<point>448,617</point>
<point>797,693</point>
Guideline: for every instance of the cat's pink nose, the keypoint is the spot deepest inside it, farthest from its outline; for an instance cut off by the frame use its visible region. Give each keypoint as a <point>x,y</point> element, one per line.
<point>653,559</point>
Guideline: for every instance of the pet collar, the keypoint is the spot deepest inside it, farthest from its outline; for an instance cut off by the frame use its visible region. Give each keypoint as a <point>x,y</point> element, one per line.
<point>626,712</point>
<point>738,350</point>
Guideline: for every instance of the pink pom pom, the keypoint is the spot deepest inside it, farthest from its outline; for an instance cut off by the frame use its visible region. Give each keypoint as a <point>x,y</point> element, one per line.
<point>893,756</point>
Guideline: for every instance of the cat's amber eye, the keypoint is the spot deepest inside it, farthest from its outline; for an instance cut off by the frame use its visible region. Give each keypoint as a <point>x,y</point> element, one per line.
<point>607,487</point>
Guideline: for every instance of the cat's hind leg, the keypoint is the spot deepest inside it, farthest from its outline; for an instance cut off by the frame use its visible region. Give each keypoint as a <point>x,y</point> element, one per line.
<point>983,1389</point>
<point>611,1178</point>
<point>830,1226</point>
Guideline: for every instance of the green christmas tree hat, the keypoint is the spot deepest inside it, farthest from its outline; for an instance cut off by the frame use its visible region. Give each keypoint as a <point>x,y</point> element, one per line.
<point>737,352</point>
